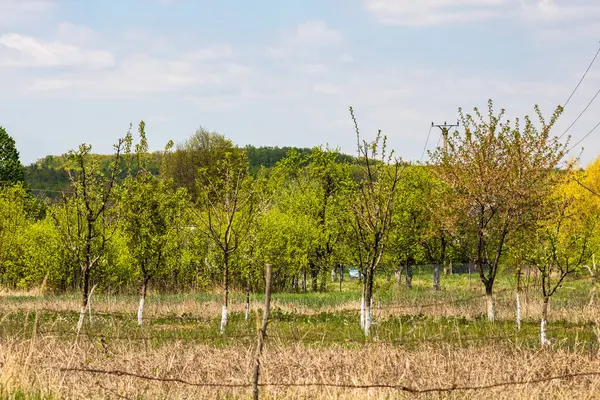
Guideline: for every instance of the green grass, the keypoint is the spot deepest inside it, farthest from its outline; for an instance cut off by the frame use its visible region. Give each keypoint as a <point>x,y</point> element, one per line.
<point>321,327</point>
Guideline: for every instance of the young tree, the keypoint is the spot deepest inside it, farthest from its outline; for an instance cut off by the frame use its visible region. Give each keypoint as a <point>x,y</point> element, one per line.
<point>499,173</point>
<point>408,223</point>
<point>86,217</point>
<point>11,170</point>
<point>422,221</point>
<point>311,187</point>
<point>226,210</point>
<point>563,240</point>
<point>330,178</point>
<point>372,208</point>
<point>152,213</point>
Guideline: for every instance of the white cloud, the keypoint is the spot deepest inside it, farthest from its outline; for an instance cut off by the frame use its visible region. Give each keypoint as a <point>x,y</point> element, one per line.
<point>141,74</point>
<point>560,10</point>
<point>429,12</point>
<point>442,12</point>
<point>26,51</point>
<point>13,12</point>
<point>306,86</point>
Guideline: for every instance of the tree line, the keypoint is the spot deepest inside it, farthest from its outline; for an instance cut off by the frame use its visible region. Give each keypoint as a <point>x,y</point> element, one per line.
<point>500,194</point>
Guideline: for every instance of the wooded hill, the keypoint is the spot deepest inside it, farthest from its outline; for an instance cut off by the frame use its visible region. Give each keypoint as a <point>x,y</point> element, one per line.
<point>48,177</point>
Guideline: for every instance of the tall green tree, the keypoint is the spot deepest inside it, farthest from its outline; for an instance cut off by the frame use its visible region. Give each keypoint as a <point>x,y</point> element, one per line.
<point>564,238</point>
<point>500,173</point>
<point>372,208</point>
<point>201,152</point>
<point>152,215</point>
<point>226,210</point>
<point>11,170</point>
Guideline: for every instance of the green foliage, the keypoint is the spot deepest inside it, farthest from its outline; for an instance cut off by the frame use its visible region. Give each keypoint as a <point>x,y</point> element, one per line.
<point>500,173</point>
<point>209,213</point>
<point>152,216</point>
<point>11,170</point>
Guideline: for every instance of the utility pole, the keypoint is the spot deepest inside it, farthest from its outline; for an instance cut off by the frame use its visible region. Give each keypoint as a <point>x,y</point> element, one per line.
<point>445,130</point>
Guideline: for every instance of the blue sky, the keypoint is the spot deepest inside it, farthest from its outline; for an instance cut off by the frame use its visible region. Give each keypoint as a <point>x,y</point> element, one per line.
<point>285,72</point>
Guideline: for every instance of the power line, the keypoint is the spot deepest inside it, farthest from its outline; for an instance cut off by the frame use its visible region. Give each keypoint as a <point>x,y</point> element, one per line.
<point>586,108</point>
<point>582,78</point>
<point>426,142</point>
<point>581,114</point>
<point>585,137</point>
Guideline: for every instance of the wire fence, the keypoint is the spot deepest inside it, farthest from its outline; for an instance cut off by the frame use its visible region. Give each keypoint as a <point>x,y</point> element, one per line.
<point>347,386</point>
<point>496,335</point>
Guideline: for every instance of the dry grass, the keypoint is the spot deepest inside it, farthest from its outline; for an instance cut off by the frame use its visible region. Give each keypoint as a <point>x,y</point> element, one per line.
<point>531,307</point>
<point>34,366</point>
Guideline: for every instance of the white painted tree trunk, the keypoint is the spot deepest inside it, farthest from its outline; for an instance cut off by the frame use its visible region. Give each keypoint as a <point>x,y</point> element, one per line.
<point>223,318</point>
<point>518,312</point>
<point>247,310</point>
<point>140,313</point>
<point>543,338</point>
<point>369,318</point>
<point>362,309</point>
<point>333,276</point>
<point>491,308</point>
<point>81,318</point>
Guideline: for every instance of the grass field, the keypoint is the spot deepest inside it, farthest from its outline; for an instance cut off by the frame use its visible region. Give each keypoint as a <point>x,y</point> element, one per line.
<point>421,340</point>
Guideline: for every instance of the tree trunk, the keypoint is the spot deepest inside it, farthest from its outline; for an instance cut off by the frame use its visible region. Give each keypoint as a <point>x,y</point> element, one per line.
<point>314,271</point>
<point>341,276</point>
<point>304,281</point>
<point>595,279</point>
<point>247,300</point>
<point>369,317</point>
<point>224,313</point>
<point>491,304</point>
<point>439,263</point>
<point>409,275</point>
<point>323,285</point>
<point>469,269</point>
<point>261,334</point>
<point>85,291</point>
<point>143,289</point>
<point>448,269</point>
<point>543,339</point>
<point>398,276</point>
<point>518,311</point>
<point>436,276</point>
<point>369,300</point>
<point>362,306</point>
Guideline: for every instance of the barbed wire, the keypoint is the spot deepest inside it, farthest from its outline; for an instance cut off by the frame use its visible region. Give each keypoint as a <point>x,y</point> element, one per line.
<point>396,387</point>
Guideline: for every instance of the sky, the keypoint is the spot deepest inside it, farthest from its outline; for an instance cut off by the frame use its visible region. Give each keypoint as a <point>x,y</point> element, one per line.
<point>283,73</point>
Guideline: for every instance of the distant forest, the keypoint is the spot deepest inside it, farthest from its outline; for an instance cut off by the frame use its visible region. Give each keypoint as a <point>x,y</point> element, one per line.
<point>48,177</point>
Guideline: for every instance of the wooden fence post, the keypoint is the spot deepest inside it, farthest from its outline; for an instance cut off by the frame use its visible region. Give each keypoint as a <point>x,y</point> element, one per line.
<point>262,332</point>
